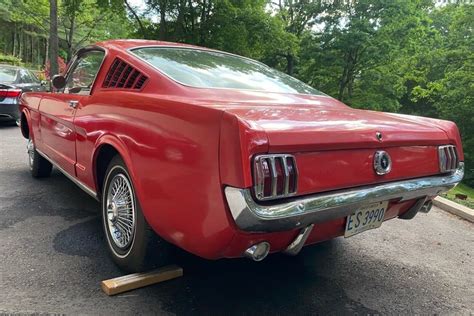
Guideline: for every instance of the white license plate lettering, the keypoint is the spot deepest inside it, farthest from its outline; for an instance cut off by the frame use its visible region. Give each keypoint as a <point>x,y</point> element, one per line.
<point>367,217</point>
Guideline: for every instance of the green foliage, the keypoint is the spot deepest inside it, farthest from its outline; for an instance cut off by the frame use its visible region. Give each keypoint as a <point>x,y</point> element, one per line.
<point>404,56</point>
<point>25,26</point>
<point>398,56</point>
<point>9,59</point>
<point>461,189</point>
<point>251,32</point>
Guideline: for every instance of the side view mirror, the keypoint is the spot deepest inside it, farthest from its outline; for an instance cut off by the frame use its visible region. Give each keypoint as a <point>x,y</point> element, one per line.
<point>58,82</point>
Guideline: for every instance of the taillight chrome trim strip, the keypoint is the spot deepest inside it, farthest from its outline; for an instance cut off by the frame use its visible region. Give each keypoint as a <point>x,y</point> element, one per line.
<point>260,184</point>
<point>274,176</point>
<point>448,158</point>
<point>258,176</point>
<point>455,158</point>
<point>286,188</point>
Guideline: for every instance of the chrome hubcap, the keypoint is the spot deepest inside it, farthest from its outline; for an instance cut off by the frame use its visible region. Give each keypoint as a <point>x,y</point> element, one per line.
<point>120,211</point>
<point>31,152</point>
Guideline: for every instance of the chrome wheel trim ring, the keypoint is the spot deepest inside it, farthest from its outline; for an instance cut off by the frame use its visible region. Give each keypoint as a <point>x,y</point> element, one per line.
<point>31,152</point>
<point>120,212</point>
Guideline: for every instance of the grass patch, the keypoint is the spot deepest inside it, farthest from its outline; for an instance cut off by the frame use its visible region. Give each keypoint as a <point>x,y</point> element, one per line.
<point>461,189</point>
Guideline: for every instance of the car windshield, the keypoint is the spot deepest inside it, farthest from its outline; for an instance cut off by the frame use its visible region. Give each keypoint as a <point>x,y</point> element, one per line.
<point>209,69</point>
<point>7,74</point>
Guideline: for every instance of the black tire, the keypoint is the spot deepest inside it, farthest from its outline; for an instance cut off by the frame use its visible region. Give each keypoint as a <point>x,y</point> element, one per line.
<point>39,166</point>
<point>145,250</point>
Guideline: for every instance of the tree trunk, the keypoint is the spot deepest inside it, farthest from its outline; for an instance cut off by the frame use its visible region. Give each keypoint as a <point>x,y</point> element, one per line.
<point>38,50</point>
<point>70,50</point>
<point>32,54</point>
<point>20,42</point>
<point>203,26</point>
<point>46,51</point>
<point>342,83</point>
<point>290,64</point>
<point>193,20</point>
<point>345,75</point>
<point>163,20</point>
<point>53,38</point>
<point>14,41</point>
<point>180,34</point>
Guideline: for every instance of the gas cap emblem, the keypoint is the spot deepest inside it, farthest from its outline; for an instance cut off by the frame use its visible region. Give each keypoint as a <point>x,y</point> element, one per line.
<point>382,162</point>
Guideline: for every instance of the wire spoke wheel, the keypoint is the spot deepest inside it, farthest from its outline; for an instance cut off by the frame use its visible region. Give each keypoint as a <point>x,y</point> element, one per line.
<point>131,241</point>
<point>31,152</point>
<point>120,210</point>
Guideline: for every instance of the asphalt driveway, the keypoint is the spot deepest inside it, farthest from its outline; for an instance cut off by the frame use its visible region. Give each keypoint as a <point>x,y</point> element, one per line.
<point>53,257</point>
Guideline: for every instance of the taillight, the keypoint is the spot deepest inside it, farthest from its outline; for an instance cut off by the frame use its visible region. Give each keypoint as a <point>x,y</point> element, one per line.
<point>10,93</point>
<point>448,158</point>
<point>275,176</point>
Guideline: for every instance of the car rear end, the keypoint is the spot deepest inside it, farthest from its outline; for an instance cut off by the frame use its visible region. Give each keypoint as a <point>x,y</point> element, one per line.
<point>9,101</point>
<point>308,173</point>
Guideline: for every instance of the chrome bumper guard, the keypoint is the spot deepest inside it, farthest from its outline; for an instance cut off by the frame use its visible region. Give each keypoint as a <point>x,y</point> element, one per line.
<point>306,210</point>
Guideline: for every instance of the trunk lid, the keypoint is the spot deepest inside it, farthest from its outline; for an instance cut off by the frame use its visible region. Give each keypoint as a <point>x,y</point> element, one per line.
<point>331,125</point>
<point>334,145</point>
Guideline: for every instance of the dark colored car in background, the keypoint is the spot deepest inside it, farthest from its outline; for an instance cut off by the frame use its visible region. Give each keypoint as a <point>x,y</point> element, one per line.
<point>14,81</point>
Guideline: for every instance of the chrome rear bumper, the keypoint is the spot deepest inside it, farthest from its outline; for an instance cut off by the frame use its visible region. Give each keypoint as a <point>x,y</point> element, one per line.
<point>303,211</point>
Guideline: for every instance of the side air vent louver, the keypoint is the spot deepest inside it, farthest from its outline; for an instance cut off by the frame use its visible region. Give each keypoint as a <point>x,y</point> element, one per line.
<point>122,75</point>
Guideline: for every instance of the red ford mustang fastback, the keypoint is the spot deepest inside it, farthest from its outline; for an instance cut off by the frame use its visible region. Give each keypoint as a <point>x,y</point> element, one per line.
<point>223,156</point>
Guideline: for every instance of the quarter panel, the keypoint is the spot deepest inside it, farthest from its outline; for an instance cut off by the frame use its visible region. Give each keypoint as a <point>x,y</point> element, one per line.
<point>172,151</point>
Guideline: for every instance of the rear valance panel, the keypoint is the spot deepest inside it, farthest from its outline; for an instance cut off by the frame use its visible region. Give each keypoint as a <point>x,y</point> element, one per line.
<point>338,169</point>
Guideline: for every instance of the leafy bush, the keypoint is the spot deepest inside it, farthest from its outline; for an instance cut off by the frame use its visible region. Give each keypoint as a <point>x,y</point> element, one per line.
<point>9,59</point>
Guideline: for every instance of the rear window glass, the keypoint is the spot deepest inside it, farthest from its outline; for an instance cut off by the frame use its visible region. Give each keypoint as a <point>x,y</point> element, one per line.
<point>205,69</point>
<point>7,75</point>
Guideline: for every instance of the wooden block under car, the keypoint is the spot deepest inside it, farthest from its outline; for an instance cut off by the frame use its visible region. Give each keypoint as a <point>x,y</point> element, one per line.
<point>138,280</point>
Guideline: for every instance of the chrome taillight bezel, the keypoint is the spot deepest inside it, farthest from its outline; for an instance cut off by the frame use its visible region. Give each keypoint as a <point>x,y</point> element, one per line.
<point>259,179</point>
<point>448,158</point>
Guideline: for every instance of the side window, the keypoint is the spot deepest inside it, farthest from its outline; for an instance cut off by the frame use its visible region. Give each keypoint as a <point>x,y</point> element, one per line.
<point>84,71</point>
<point>25,76</point>
<point>33,77</point>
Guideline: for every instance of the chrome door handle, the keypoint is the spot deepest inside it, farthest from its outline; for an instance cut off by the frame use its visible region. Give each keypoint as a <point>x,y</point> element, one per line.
<point>73,104</point>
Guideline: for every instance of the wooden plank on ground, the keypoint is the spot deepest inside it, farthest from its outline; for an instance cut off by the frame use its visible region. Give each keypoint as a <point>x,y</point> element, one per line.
<point>455,208</point>
<point>138,280</point>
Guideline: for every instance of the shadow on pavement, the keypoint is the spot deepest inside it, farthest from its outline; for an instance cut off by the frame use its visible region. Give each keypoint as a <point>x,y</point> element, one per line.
<point>8,124</point>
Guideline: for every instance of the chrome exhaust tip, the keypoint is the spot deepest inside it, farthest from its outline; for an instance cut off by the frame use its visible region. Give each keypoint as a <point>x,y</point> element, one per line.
<point>426,207</point>
<point>258,252</point>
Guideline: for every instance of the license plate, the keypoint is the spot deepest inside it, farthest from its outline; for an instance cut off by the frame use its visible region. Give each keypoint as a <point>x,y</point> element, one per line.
<point>367,217</point>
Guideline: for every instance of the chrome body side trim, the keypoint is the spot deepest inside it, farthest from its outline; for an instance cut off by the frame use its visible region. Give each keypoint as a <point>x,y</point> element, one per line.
<point>317,208</point>
<point>81,185</point>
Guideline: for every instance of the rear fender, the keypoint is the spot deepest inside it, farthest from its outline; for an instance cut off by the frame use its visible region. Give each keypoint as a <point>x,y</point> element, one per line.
<point>25,117</point>
<point>238,143</point>
<point>122,149</point>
